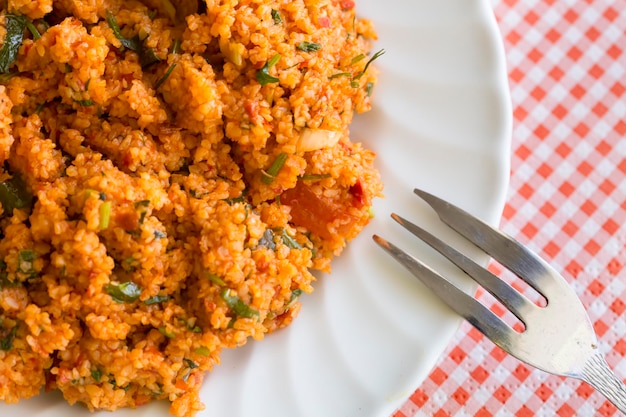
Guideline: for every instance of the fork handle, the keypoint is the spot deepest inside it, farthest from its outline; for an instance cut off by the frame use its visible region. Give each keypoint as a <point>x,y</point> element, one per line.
<point>599,375</point>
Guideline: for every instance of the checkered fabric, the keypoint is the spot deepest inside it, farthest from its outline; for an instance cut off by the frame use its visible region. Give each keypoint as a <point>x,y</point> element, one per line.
<point>567,201</point>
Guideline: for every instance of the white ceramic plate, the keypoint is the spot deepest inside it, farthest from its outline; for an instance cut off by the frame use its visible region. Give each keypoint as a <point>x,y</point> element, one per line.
<point>370,333</point>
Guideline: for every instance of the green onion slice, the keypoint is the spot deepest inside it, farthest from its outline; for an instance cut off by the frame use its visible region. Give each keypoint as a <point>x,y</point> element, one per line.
<point>274,169</point>
<point>235,303</point>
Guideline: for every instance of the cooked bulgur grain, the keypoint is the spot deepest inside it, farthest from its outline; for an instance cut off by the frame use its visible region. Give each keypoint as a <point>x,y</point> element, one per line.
<point>172,171</point>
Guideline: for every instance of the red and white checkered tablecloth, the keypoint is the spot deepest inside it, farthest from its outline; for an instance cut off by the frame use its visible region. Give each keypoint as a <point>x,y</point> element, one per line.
<point>567,201</point>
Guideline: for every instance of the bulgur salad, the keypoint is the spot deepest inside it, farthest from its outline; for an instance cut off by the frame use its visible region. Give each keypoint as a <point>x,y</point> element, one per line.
<point>172,171</point>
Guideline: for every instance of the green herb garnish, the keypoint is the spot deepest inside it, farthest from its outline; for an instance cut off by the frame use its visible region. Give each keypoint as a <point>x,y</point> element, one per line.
<point>276,17</point>
<point>5,78</point>
<point>33,30</point>
<point>215,279</point>
<point>15,26</point>
<point>147,56</point>
<point>203,351</point>
<point>165,76</point>
<point>240,199</point>
<point>357,58</point>
<point>134,44</point>
<point>142,208</point>
<point>4,278</point>
<point>263,75</point>
<point>274,169</point>
<point>84,103</point>
<point>25,262</point>
<point>14,194</point>
<point>235,303</point>
<point>367,64</point>
<point>295,294</point>
<point>6,343</point>
<point>157,299</point>
<point>126,292</point>
<point>191,364</point>
<point>309,46</point>
<point>314,177</point>
<point>96,374</point>
<point>176,46</point>
<point>288,241</point>
<point>165,333</point>
<point>340,74</point>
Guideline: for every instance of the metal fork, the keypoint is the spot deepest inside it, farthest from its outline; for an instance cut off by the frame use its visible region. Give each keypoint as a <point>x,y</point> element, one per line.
<point>557,338</point>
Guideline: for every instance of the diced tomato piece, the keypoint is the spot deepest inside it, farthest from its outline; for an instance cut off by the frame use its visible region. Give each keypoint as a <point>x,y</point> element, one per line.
<point>180,384</point>
<point>324,21</point>
<point>357,191</point>
<point>316,212</point>
<point>347,4</point>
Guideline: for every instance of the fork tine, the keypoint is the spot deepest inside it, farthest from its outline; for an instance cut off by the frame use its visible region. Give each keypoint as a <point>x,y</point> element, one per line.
<point>507,295</point>
<point>463,304</point>
<point>509,252</point>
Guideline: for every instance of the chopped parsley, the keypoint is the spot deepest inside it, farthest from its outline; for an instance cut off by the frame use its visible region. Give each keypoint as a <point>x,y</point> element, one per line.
<point>15,26</point>
<point>295,294</point>
<point>263,75</point>
<point>235,303</point>
<point>4,277</point>
<point>288,241</point>
<point>6,343</point>
<point>14,194</point>
<point>126,292</point>
<point>157,299</point>
<point>142,208</point>
<point>147,56</point>
<point>5,78</point>
<point>163,330</point>
<point>240,199</point>
<point>26,262</point>
<point>276,17</point>
<point>134,44</point>
<point>96,374</point>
